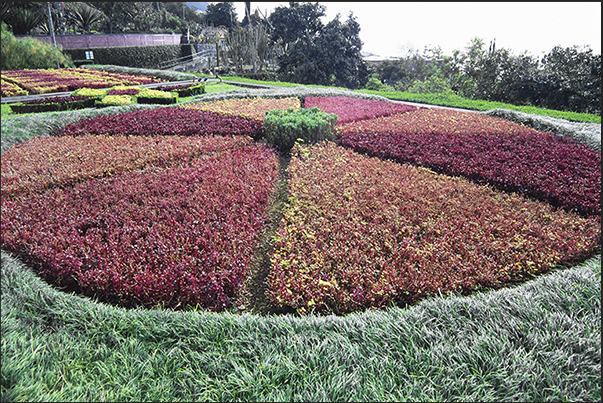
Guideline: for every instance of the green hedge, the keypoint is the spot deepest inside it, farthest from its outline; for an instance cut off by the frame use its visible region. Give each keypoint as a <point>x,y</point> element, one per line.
<point>21,107</point>
<point>284,128</point>
<point>147,57</point>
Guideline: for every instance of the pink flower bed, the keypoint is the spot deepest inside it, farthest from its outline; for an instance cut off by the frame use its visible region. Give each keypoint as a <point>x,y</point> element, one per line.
<point>175,237</point>
<point>166,121</point>
<point>487,150</point>
<point>353,109</point>
<point>361,232</point>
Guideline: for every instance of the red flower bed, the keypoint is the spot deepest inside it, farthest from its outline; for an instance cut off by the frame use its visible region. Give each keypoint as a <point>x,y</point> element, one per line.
<point>167,121</point>
<point>44,162</point>
<point>353,109</point>
<point>56,100</point>
<point>362,232</point>
<point>488,150</point>
<point>174,237</point>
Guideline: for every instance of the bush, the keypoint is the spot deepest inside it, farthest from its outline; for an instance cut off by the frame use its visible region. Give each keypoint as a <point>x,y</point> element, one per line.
<point>433,85</point>
<point>53,104</point>
<point>29,53</point>
<point>283,128</point>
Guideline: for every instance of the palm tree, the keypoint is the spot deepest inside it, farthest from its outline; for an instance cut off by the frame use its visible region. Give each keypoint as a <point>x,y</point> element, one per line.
<point>84,16</point>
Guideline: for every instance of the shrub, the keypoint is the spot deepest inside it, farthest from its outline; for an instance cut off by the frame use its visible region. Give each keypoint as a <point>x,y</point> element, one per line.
<point>53,104</point>
<point>283,128</point>
<point>114,100</point>
<point>29,53</point>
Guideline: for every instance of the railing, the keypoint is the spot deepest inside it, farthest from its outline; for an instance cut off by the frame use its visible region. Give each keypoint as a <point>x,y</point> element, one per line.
<point>168,64</point>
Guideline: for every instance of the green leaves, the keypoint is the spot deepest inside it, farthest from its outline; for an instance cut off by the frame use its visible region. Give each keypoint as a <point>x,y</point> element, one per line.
<point>283,128</point>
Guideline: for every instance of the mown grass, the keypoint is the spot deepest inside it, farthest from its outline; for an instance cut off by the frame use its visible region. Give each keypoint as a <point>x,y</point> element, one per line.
<point>539,341</point>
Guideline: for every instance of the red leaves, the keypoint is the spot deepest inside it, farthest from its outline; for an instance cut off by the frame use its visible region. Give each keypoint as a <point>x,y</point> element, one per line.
<point>354,109</point>
<point>176,236</point>
<point>487,150</point>
<point>166,121</point>
<point>360,232</point>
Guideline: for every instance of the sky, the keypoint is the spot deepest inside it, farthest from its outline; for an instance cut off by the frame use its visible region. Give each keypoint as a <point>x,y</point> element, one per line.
<point>390,29</point>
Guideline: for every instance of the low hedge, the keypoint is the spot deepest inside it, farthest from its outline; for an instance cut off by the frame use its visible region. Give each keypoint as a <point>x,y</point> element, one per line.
<point>54,105</point>
<point>163,101</point>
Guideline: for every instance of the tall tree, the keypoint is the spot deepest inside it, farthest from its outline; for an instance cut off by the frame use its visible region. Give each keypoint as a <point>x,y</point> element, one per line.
<point>314,53</point>
<point>221,14</point>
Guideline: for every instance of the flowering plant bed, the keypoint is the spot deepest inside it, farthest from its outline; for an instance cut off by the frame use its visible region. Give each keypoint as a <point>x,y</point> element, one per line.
<point>353,109</point>
<point>8,89</point>
<point>495,151</point>
<point>252,108</point>
<point>361,232</point>
<point>176,237</point>
<point>53,104</point>
<point>167,121</point>
<point>59,80</point>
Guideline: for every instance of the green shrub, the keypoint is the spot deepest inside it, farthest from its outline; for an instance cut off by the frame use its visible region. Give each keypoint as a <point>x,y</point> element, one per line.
<point>29,53</point>
<point>283,128</point>
<point>146,56</point>
<point>434,85</point>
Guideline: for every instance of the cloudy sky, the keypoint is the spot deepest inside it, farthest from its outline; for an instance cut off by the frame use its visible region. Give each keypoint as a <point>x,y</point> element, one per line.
<point>389,28</point>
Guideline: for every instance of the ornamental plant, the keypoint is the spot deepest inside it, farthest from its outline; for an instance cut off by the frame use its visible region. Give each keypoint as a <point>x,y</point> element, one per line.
<point>181,236</point>
<point>284,128</point>
<point>487,150</point>
<point>8,89</point>
<point>49,162</point>
<point>58,80</point>
<point>251,108</point>
<point>360,232</point>
<point>166,121</point>
<point>353,109</point>
<point>149,96</point>
<point>52,104</point>
<point>114,100</point>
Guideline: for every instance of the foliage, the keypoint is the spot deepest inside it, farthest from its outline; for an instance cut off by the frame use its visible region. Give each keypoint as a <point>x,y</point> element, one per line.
<point>166,121</point>
<point>58,80</point>
<point>250,108</point>
<point>221,14</point>
<point>145,218</point>
<point>53,104</point>
<point>9,89</point>
<point>362,232</point>
<point>455,101</point>
<point>114,100</point>
<point>566,79</point>
<point>352,109</point>
<point>47,162</point>
<point>165,75</point>
<point>284,128</point>
<point>487,150</point>
<point>29,53</point>
<point>313,53</point>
